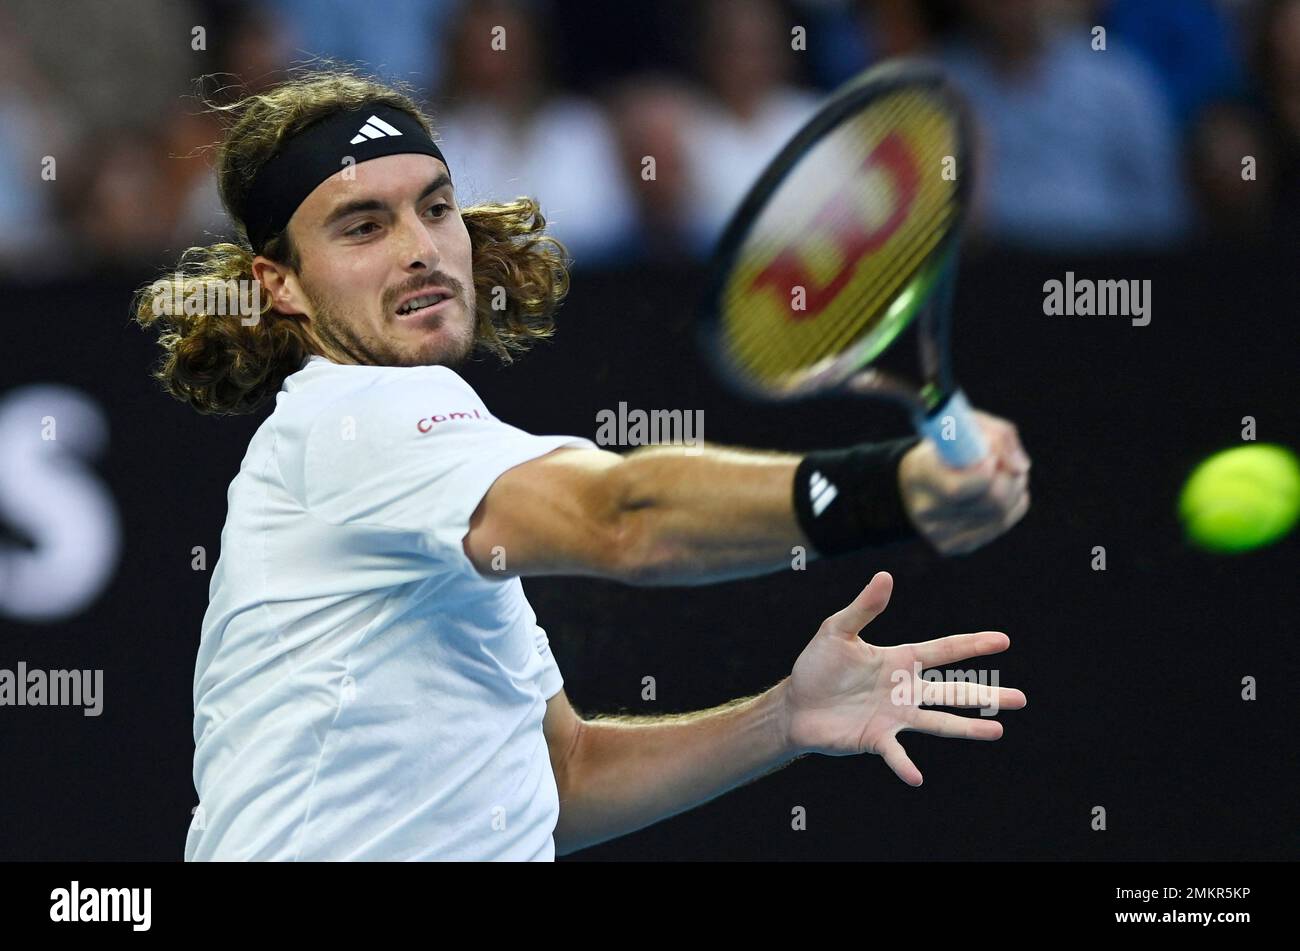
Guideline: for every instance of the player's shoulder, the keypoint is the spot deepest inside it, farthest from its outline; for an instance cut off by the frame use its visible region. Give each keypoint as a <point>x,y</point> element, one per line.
<point>335,419</point>
<point>376,391</point>
<point>366,377</point>
<point>381,402</point>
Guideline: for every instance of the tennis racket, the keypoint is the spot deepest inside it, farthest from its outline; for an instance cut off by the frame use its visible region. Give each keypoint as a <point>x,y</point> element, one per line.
<point>847,239</point>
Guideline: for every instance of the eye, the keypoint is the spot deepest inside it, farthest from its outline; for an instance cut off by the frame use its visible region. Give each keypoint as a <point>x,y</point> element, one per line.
<point>440,209</point>
<point>357,232</point>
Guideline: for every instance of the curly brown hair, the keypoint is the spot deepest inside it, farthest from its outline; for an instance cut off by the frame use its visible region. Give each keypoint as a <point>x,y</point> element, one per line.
<point>222,364</point>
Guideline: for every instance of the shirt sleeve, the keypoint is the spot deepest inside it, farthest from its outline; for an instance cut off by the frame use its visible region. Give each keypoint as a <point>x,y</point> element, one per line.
<point>415,456</point>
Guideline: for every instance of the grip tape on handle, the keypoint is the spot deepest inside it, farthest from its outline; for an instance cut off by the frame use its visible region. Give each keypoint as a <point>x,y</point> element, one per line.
<point>955,433</point>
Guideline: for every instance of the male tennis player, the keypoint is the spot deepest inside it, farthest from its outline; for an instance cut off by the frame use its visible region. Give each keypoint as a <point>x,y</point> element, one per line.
<point>371,681</point>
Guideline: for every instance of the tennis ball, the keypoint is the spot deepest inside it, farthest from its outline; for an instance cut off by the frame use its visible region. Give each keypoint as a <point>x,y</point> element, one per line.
<point>1242,498</point>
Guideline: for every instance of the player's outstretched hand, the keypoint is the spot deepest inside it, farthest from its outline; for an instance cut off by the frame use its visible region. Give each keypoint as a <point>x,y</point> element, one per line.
<point>959,510</point>
<point>846,696</point>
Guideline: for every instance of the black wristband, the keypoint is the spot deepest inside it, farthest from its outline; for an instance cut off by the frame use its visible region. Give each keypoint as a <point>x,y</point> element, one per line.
<point>847,499</point>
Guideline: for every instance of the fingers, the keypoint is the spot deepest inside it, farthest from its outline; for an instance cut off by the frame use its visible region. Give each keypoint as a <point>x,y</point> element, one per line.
<point>965,693</point>
<point>960,510</point>
<point>981,497</point>
<point>897,760</point>
<point>865,608</point>
<point>954,727</point>
<point>1004,442</point>
<point>1017,512</point>
<point>963,543</point>
<point>962,530</point>
<point>1015,453</point>
<point>1006,491</point>
<point>947,650</point>
<point>968,483</point>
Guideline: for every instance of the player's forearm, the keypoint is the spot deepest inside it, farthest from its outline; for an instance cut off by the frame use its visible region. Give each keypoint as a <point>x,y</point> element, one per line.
<point>695,519</point>
<point>627,773</point>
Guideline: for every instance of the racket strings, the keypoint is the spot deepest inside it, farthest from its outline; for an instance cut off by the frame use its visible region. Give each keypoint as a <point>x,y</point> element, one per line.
<point>838,185</point>
<point>857,308</point>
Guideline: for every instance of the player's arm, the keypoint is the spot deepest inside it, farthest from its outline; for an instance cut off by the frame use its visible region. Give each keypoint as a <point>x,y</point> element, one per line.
<point>618,775</point>
<point>655,515</point>
<point>843,697</point>
<point>666,515</point>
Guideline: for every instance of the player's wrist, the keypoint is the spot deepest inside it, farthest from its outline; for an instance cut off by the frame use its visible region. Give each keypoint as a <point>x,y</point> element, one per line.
<point>787,745</point>
<point>849,499</point>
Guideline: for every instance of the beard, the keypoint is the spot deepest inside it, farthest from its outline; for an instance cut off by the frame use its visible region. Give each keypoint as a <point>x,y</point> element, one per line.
<point>450,346</point>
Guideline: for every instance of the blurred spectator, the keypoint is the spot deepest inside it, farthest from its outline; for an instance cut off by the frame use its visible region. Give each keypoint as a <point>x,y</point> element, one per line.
<point>118,206</point>
<point>889,28</point>
<point>251,46</point>
<point>651,114</point>
<point>1232,205</point>
<point>841,36</point>
<point>1262,132</point>
<point>31,128</point>
<point>118,63</point>
<point>506,134</point>
<point>1277,60</point>
<point>388,37</point>
<point>1193,45</point>
<point>107,74</point>
<point>1076,146</point>
<point>750,112</point>
<point>151,191</point>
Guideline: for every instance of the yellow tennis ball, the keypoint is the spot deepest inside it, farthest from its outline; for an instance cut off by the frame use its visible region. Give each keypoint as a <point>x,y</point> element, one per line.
<point>1242,498</point>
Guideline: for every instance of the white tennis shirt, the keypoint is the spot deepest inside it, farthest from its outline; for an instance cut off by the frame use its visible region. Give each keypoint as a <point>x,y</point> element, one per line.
<point>361,692</point>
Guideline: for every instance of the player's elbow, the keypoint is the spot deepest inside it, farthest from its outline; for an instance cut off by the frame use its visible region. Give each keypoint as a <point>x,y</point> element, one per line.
<point>636,549</point>
<point>639,554</point>
<point>574,512</point>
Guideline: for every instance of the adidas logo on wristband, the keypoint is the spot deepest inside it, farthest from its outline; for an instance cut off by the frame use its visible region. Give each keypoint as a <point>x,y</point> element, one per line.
<point>821,492</point>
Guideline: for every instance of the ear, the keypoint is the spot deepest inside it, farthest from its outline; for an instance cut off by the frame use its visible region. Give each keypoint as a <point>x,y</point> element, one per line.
<point>281,285</point>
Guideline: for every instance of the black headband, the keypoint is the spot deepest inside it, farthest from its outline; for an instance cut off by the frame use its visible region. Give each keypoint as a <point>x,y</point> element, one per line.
<point>320,150</point>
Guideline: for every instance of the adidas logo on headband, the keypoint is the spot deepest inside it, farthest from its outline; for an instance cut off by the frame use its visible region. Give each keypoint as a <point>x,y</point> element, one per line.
<point>374,128</point>
<point>315,152</point>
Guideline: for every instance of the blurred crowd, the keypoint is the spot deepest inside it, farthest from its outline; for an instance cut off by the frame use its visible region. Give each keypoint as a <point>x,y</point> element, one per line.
<point>1100,124</point>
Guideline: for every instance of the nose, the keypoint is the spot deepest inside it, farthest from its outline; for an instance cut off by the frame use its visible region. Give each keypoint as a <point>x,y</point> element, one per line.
<point>419,252</point>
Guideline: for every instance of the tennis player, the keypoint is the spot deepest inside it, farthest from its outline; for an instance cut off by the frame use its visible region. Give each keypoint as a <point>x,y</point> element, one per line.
<point>371,681</point>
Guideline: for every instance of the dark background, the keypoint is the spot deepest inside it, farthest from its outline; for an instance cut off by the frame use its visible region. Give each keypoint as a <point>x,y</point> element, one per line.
<point>1133,674</point>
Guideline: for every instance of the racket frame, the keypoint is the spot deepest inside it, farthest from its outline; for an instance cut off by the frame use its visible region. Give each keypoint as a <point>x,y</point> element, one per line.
<point>930,291</point>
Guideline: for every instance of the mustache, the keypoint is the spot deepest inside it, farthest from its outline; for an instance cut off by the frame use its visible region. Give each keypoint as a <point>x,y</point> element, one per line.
<point>425,282</point>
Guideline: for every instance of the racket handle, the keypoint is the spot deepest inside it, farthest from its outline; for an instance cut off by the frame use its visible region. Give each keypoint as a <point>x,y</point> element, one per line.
<point>954,431</point>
